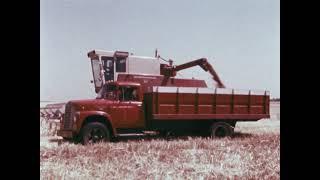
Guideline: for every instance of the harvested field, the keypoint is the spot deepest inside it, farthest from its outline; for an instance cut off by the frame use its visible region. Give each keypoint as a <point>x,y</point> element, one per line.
<point>253,153</point>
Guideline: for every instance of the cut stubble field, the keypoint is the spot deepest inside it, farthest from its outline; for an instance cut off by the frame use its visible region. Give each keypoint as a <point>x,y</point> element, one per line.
<point>252,153</point>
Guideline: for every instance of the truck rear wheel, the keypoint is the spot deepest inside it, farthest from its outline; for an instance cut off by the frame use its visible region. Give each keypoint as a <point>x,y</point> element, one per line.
<point>221,129</point>
<point>94,132</point>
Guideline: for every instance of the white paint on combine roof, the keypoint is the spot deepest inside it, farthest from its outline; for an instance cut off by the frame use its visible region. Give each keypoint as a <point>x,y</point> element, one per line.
<point>134,64</point>
<point>104,53</point>
<point>144,65</point>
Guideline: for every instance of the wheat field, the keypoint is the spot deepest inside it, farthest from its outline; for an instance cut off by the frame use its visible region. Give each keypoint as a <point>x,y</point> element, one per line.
<point>252,153</point>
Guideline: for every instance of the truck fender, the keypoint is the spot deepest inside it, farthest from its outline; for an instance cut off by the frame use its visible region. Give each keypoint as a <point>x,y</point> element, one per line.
<point>84,114</point>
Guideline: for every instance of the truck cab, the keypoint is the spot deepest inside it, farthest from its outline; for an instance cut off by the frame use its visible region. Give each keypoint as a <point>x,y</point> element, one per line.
<point>126,110</point>
<point>118,106</point>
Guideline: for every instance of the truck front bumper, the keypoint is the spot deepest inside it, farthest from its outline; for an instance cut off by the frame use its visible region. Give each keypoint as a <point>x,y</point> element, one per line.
<point>65,133</point>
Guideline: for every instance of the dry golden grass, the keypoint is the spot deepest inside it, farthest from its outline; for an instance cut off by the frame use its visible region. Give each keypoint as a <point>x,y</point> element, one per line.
<point>253,153</point>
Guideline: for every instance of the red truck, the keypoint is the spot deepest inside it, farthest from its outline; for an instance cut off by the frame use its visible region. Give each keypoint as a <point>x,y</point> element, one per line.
<point>136,102</point>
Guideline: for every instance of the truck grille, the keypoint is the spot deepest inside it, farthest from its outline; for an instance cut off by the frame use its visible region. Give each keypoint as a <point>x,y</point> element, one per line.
<point>67,124</point>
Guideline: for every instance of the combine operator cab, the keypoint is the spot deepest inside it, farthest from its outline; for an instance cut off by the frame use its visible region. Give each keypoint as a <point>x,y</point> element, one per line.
<point>107,65</point>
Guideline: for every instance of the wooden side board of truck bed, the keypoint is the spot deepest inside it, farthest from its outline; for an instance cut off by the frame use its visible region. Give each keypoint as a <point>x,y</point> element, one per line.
<point>177,103</point>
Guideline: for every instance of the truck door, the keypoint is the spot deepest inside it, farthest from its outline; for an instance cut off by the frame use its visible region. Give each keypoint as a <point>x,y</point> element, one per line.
<point>134,114</point>
<point>118,113</point>
<point>115,108</point>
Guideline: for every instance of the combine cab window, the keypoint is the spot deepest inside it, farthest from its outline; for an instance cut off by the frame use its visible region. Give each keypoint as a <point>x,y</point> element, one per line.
<point>96,73</point>
<point>108,67</point>
<point>121,65</point>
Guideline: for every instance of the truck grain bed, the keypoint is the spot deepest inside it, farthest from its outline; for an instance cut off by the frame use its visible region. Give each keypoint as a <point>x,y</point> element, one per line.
<point>181,103</point>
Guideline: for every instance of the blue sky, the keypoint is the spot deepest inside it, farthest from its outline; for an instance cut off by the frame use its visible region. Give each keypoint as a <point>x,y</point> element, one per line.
<point>241,39</point>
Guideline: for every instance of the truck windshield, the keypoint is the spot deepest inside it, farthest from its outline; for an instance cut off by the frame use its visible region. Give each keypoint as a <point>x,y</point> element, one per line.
<point>107,92</point>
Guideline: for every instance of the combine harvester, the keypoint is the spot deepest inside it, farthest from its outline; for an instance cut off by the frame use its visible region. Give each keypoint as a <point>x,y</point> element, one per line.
<point>51,113</point>
<point>138,94</point>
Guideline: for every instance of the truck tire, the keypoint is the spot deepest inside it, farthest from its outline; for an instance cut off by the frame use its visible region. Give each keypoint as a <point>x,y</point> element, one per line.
<point>94,132</point>
<point>221,129</point>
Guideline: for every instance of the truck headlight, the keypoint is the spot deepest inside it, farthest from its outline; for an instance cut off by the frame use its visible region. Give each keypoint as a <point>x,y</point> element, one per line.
<point>76,116</point>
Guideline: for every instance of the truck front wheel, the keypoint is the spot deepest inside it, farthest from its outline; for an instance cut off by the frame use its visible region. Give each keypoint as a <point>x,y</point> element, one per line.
<point>94,132</point>
<point>221,129</point>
